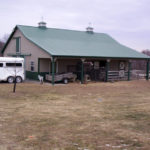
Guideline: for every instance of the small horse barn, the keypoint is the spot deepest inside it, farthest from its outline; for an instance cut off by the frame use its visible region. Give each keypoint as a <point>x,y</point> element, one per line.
<point>85,53</point>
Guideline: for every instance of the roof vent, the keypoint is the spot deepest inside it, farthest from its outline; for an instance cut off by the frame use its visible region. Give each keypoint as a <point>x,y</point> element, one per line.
<point>89,29</point>
<point>42,24</point>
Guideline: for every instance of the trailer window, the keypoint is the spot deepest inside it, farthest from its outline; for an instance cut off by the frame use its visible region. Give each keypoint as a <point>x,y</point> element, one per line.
<point>14,64</point>
<point>1,64</point>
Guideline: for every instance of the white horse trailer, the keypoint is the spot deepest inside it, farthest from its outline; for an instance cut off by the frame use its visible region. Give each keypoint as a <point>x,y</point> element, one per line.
<point>11,67</point>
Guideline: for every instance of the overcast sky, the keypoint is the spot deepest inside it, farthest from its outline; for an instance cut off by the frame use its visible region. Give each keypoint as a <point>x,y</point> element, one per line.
<point>128,21</point>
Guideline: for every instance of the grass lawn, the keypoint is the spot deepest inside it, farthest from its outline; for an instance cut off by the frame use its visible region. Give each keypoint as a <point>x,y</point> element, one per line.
<point>94,116</point>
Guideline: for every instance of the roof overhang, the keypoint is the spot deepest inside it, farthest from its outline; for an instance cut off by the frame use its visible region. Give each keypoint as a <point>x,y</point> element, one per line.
<point>101,57</point>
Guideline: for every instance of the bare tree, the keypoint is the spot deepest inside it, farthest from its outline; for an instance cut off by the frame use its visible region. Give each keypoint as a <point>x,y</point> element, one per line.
<point>1,47</point>
<point>147,52</point>
<point>5,38</point>
<point>2,42</point>
<point>140,64</point>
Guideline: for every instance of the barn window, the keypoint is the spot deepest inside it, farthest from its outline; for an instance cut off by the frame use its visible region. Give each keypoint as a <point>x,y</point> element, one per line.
<point>17,44</point>
<point>1,64</point>
<point>32,65</point>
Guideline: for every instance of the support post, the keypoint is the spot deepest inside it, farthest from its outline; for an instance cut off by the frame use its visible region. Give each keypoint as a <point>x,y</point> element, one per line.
<point>147,70</point>
<point>107,68</point>
<point>129,69</point>
<point>25,68</point>
<point>53,70</point>
<point>82,70</point>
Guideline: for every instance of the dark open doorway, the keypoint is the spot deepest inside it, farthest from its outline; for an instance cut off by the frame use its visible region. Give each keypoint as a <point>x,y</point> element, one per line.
<point>94,69</point>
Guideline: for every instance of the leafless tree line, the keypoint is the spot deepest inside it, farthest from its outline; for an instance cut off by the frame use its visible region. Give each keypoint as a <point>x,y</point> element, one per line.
<point>140,64</point>
<point>1,47</point>
<point>2,42</point>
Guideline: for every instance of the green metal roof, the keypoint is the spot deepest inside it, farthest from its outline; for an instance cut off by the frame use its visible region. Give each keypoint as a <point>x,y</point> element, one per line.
<point>61,42</point>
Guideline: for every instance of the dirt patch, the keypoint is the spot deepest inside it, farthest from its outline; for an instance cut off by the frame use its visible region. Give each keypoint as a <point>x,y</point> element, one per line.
<point>92,116</point>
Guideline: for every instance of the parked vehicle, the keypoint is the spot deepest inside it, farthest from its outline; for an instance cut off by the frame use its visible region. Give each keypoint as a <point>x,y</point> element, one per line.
<point>11,67</point>
<point>65,77</point>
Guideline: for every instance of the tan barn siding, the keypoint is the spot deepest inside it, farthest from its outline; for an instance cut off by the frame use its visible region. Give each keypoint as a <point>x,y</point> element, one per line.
<point>27,47</point>
<point>45,65</point>
<point>11,47</point>
<point>63,64</point>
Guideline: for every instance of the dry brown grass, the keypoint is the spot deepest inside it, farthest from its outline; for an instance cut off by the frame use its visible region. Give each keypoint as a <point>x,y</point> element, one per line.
<point>95,116</point>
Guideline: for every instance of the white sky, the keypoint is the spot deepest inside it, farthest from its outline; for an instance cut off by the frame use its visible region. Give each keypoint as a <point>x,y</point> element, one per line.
<point>128,21</point>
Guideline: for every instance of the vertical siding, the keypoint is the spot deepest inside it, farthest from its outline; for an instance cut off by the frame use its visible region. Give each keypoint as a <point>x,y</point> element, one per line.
<point>114,65</point>
<point>63,64</point>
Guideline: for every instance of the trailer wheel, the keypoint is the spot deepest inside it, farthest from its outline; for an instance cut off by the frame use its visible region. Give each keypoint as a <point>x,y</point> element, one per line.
<point>10,79</point>
<point>65,81</point>
<point>18,79</point>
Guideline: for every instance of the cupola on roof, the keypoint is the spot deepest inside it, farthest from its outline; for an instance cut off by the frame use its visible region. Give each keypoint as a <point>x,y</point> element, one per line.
<point>42,24</point>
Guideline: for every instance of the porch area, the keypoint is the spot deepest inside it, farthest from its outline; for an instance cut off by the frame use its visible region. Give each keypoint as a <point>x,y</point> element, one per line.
<point>91,69</point>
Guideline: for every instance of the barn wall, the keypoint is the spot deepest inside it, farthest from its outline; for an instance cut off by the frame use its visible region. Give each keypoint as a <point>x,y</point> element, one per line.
<point>63,65</point>
<point>45,65</point>
<point>27,47</point>
<point>114,65</point>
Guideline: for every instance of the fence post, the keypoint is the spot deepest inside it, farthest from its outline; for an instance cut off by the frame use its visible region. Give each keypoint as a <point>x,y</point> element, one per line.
<point>53,70</point>
<point>129,69</point>
<point>82,70</point>
<point>147,70</point>
<point>107,69</point>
